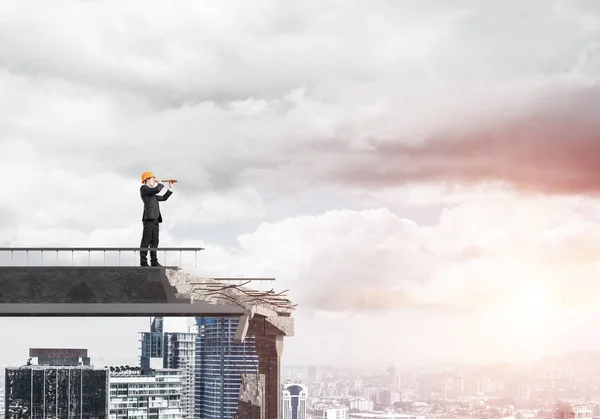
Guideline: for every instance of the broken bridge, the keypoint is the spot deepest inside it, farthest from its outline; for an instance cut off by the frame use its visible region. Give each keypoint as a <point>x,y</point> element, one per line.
<point>39,289</point>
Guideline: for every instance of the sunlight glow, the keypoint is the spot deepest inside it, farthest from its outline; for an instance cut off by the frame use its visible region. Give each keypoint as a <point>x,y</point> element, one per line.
<point>523,324</point>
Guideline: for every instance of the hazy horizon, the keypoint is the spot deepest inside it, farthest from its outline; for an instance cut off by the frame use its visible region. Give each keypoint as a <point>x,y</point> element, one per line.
<point>119,342</point>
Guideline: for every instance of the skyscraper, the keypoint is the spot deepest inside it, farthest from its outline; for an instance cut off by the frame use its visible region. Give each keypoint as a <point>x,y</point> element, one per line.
<point>220,364</point>
<point>293,401</point>
<point>171,350</point>
<point>145,393</point>
<point>151,343</point>
<point>57,388</point>
<point>179,352</point>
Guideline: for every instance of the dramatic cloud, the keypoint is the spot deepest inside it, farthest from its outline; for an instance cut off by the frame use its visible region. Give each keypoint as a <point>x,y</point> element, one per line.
<point>553,149</point>
<point>376,157</point>
<point>283,99</point>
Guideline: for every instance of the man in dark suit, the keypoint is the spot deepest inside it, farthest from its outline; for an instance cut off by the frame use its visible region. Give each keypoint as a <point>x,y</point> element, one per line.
<point>152,216</point>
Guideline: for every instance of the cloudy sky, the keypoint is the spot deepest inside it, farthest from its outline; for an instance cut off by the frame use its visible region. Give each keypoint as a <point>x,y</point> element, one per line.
<point>422,175</point>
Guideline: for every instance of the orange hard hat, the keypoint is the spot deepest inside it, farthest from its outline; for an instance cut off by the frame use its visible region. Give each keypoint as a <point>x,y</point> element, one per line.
<point>146,175</point>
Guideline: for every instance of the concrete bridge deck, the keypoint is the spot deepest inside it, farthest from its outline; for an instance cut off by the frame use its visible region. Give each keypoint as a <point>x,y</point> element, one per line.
<point>99,291</point>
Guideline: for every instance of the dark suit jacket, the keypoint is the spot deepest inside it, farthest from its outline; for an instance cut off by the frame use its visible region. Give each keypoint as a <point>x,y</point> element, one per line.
<point>150,199</point>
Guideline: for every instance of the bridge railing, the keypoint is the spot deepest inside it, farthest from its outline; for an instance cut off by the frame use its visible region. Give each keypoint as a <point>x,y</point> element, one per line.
<point>95,256</point>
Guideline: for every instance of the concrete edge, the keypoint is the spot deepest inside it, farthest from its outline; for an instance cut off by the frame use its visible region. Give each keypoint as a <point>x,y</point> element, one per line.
<point>198,308</point>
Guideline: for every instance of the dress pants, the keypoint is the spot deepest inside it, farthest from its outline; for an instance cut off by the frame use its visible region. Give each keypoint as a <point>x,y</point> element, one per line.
<point>149,239</point>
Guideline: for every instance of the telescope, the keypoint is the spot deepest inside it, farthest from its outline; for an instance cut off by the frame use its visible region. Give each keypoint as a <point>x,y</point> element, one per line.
<point>168,180</point>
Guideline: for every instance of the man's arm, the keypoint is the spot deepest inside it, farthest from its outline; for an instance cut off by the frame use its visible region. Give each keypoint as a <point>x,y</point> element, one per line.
<point>165,196</point>
<point>148,191</point>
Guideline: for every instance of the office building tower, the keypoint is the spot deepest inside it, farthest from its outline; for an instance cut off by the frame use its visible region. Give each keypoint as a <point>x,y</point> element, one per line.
<point>60,384</point>
<point>40,391</point>
<point>293,401</point>
<point>168,350</point>
<point>179,352</point>
<point>220,364</point>
<point>145,393</point>
<point>152,343</point>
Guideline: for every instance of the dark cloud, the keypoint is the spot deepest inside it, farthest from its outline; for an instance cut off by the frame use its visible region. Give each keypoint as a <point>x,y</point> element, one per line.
<point>554,148</point>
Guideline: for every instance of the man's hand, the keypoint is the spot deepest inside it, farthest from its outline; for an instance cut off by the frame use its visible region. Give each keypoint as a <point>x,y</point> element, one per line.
<point>171,184</point>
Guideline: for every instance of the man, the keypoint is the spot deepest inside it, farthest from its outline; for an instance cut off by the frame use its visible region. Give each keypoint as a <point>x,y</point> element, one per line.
<point>152,216</point>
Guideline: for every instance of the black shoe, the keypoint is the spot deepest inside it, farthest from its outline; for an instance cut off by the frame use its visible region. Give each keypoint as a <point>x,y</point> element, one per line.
<point>144,264</point>
<point>156,264</point>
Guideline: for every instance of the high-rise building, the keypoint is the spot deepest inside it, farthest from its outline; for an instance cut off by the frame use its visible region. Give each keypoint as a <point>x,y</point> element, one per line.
<point>39,391</point>
<point>60,385</point>
<point>171,350</point>
<point>179,352</point>
<point>145,393</point>
<point>151,343</point>
<point>293,401</point>
<point>220,364</point>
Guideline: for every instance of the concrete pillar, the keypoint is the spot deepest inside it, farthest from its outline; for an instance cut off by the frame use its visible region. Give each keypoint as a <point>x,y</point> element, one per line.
<point>269,350</point>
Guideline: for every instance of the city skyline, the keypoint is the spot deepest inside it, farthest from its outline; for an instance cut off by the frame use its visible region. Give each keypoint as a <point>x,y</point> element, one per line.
<point>15,355</point>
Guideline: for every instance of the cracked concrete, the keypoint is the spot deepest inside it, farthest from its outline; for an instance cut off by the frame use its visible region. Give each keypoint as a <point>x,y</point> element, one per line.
<point>206,289</point>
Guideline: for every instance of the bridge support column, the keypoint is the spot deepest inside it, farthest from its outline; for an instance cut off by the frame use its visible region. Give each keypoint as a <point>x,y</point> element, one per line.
<point>269,348</point>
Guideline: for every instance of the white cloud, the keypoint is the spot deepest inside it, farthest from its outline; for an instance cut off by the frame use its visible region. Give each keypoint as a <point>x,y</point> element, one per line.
<point>365,106</point>
<point>510,265</point>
